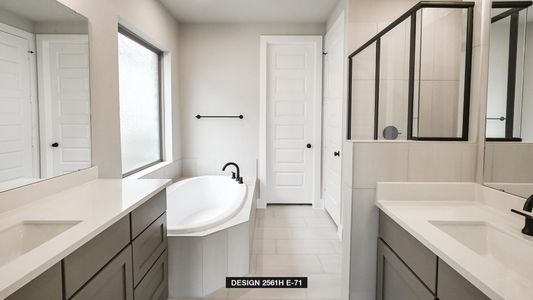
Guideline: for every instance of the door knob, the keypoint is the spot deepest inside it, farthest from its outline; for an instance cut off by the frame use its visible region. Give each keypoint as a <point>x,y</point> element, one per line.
<point>337,153</point>
<point>309,146</point>
<point>55,145</point>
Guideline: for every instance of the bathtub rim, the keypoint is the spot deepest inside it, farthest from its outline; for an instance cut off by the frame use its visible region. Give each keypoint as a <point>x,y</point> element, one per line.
<point>242,216</point>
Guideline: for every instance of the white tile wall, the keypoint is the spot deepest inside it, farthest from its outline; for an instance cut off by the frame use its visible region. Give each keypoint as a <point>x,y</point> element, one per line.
<point>238,247</point>
<point>185,274</point>
<point>198,266</point>
<point>363,245</point>
<point>412,161</point>
<point>379,162</point>
<point>508,162</point>
<point>215,261</point>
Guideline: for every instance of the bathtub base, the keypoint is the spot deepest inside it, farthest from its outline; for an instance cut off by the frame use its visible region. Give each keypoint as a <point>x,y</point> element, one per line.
<point>198,266</point>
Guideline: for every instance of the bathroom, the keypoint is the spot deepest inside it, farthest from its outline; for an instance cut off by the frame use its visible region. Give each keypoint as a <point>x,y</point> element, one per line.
<point>337,149</point>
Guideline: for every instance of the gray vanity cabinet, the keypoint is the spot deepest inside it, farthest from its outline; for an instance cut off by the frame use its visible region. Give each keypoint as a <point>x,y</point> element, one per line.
<point>113,282</point>
<point>409,270</point>
<point>453,286</point>
<point>126,261</point>
<point>395,280</point>
<point>46,286</point>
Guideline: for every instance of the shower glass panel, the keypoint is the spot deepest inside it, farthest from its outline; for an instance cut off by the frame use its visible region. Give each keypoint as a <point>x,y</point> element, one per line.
<point>411,81</point>
<point>394,82</point>
<point>439,73</point>
<point>363,93</point>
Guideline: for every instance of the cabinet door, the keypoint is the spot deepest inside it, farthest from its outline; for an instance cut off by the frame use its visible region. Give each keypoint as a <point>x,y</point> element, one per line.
<point>454,286</point>
<point>46,286</point>
<point>395,281</point>
<point>114,282</point>
<point>89,259</point>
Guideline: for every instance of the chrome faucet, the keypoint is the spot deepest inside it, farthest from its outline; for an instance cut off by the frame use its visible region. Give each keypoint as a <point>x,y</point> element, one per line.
<point>528,207</point>
<point>233,175</point>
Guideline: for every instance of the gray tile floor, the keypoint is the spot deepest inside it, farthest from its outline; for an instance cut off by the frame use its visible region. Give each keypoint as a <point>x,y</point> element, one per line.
<point>293,241</point>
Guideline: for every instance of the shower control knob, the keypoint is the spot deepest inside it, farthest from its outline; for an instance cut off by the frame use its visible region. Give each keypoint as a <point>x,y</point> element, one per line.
<point>309,146</point>
<point>55,145</point>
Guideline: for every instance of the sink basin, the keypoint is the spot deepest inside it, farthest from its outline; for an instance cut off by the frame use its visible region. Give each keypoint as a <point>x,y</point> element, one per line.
<point>491,243</point>
<point>27,235</point>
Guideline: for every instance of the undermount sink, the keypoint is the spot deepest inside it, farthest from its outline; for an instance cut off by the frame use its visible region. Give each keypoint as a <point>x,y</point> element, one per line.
<point>491,243</point>
<point>27,235</point>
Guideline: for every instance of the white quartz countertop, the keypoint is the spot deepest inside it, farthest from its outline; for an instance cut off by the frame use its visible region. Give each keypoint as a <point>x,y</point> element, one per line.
<point>495,279</point>
<point>97,204</point>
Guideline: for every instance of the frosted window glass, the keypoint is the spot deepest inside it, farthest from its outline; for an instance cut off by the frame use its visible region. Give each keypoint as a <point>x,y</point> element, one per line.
<point>140,124</point>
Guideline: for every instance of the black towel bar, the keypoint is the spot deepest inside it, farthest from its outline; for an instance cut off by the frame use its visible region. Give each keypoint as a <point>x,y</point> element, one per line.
<point>229,117</point>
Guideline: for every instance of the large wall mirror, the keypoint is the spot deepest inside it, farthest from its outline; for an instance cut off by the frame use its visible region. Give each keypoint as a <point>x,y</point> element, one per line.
<point>509,119</point>
<point>44,92</point>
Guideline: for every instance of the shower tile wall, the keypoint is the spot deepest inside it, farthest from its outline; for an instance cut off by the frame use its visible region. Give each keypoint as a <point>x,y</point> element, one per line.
<point>395,161</point>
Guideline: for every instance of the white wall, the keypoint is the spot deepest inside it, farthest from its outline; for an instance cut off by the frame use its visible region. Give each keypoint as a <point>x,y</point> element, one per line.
<point>148,17</point>
<point>219,73</point>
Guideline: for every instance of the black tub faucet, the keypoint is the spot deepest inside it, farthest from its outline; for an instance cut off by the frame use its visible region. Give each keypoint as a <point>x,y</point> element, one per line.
<point>528,207</point>
<point>233,175</point>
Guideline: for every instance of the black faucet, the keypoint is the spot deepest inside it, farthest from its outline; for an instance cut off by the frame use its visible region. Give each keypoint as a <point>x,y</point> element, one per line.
<point>236,177</point>
<point>528,207</point>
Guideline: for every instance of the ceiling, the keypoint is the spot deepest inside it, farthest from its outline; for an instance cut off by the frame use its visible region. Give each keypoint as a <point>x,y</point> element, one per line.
<point>41,11</point>
<point>251,11</point>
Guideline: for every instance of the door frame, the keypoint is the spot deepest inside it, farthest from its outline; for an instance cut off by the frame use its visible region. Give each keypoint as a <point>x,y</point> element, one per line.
<point>338,26</point>
<point>265,41</point>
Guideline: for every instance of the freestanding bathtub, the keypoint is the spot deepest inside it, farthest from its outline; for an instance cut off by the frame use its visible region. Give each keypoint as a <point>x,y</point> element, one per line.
<point>210,222</point>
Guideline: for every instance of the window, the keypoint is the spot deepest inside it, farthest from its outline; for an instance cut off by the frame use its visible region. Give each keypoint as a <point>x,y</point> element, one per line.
<point>140,103</point>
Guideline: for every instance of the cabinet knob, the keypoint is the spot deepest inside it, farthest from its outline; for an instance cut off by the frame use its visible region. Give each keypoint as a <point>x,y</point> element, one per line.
<point>55,145</point>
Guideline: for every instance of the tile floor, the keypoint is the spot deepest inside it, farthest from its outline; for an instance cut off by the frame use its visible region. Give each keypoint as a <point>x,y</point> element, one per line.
<point>292,241</point>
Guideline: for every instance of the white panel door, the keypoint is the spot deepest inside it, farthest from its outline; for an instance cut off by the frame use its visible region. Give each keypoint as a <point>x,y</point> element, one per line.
<point>16,159</point>
<point>291,98</point>
<point>66,132</point>
<point>333,95</point>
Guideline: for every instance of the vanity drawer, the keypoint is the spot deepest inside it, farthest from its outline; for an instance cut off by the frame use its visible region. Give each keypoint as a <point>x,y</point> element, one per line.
<point>147,213</point>
<point>148,246</point>
<point>85,262</point>
<point>420,259</point>
<point>113,282</point>
<point>154,285</point>
<point>46,286</point>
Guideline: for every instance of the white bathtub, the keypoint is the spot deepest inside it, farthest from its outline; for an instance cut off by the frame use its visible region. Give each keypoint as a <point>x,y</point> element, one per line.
<point>199,203</point>
<point>210,223</point>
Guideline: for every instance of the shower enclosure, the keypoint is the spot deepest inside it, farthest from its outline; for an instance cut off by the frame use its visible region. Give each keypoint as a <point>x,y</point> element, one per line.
<point>411,81</point>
